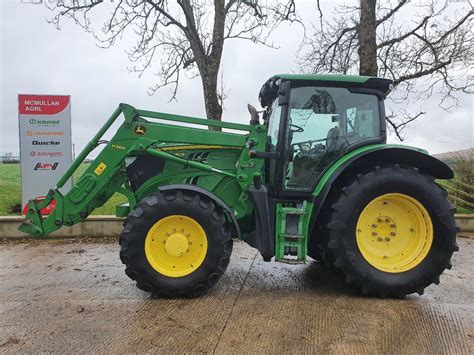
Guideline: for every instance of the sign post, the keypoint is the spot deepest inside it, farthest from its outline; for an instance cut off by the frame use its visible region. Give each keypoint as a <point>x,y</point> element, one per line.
<point>45,143</point>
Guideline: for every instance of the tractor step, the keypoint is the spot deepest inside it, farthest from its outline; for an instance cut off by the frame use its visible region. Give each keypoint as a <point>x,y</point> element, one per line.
<point>291,233</point>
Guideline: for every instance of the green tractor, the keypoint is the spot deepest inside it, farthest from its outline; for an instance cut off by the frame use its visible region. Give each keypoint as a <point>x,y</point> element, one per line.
<point>309,175</point>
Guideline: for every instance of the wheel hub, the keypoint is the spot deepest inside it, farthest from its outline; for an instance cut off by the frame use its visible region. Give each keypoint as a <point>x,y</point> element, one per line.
<point>384,228</point>
<point>176,244</point>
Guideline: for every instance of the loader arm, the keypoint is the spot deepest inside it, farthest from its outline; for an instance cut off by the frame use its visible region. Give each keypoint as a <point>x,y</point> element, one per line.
<point>107,173</point>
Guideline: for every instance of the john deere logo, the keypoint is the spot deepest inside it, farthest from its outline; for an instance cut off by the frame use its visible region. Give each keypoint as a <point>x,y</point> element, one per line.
<point>140,130</point>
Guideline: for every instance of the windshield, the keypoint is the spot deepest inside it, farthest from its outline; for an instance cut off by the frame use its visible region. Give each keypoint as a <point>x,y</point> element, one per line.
<point>322,123</point>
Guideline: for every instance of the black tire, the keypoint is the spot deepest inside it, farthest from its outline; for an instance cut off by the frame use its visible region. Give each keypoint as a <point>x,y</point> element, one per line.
<point>340,248</point>
<point>160,205</point>
<point>314,250</point>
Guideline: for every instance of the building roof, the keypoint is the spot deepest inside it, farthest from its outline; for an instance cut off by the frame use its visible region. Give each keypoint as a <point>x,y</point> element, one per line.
<point>463,154</point>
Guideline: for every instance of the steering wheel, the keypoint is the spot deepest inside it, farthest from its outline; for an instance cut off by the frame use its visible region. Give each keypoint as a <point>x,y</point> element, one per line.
<point>298,128</point>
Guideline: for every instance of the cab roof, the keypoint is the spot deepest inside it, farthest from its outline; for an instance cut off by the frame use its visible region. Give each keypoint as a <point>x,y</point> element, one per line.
<point>269,90</point>
<point>325,77</point>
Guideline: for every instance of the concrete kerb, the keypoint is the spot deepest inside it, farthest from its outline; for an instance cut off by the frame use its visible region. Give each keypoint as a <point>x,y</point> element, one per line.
<point>111,226</point>
<point>93,226</point>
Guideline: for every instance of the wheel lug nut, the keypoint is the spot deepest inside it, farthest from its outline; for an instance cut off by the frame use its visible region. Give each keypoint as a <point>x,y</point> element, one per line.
<point>393,233</point>
<point>379,239</point>
<point>380,220</point>
<point>387,239</point>
<point>374,225</point>
<point>374,233</point>
<point>387,220</point>
<point>392,225</point>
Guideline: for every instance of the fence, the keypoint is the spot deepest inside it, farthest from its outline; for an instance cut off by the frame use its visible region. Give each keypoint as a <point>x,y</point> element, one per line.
<point>460,193</point>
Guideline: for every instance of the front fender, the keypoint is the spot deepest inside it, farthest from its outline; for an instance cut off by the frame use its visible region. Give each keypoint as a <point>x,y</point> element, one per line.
<point>216,199</point>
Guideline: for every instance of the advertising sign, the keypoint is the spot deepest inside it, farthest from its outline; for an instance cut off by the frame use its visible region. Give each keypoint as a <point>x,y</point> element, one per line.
<point>45,143</point>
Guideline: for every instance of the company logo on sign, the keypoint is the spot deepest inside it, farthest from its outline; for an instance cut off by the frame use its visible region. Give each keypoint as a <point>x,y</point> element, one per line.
<point>45,142</point>
<point>44,122</point>
<point>46,166</point>
<point>46,154</point>
<point>43,133</point>
<point>42,104</point>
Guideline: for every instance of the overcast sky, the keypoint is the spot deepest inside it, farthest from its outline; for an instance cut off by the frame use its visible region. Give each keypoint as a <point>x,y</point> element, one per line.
<point>38,59</point>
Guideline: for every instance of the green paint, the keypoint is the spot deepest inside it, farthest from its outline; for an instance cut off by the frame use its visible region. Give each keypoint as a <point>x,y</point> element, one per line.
<point>286,237</point>
<point>327,175</point>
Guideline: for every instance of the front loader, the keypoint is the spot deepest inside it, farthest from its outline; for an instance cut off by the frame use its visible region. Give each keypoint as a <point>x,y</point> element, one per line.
<point>310,175</point>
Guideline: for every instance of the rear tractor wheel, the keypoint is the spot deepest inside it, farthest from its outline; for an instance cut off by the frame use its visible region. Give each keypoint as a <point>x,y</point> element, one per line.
<point>391,232</point>
<point>176,244</point>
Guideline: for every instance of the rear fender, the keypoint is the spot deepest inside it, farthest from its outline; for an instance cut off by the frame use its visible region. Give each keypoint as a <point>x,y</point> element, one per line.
<point>346,167</point>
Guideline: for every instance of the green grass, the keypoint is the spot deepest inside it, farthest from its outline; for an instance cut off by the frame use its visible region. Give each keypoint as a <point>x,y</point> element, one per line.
<point>10,187</point>
<point>462,210</point>
<point>10,190</point>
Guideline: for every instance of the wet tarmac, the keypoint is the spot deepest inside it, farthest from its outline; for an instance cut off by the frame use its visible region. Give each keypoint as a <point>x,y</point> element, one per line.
<point>73,297</point>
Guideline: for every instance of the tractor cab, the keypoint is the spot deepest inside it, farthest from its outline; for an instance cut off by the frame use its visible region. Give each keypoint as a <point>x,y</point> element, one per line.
<point>313,120</point>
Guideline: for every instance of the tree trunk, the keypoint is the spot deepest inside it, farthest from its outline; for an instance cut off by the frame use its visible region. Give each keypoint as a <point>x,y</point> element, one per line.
<point>367,30</point>
<point>208,63</point>
<point>211,100</point>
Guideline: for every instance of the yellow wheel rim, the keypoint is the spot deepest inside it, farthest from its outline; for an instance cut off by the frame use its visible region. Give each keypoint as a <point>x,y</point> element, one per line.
<point>394,233</point>
<point>176,246</point>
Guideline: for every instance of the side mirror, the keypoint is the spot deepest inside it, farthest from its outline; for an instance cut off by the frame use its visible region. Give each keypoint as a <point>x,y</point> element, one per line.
<point>284,93</point>
<point>254,118</point>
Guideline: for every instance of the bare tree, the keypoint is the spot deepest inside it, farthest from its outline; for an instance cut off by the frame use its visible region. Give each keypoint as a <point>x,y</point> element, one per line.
<point>375,38</point>
<point>187,35</point>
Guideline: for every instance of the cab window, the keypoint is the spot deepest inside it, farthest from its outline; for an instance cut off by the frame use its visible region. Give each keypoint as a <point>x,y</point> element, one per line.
<point>322,123</point>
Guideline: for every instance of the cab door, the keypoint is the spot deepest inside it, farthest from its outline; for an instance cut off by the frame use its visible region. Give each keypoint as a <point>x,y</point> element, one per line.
<point>273,138</point>
<point>321,124</point>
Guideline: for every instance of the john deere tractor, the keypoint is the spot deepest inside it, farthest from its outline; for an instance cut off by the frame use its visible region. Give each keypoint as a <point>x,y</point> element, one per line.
<point>311,174</point>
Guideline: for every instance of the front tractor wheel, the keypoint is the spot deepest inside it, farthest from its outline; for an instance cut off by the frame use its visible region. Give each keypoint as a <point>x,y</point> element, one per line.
<point>176,244</point>
<point>391,232</point>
